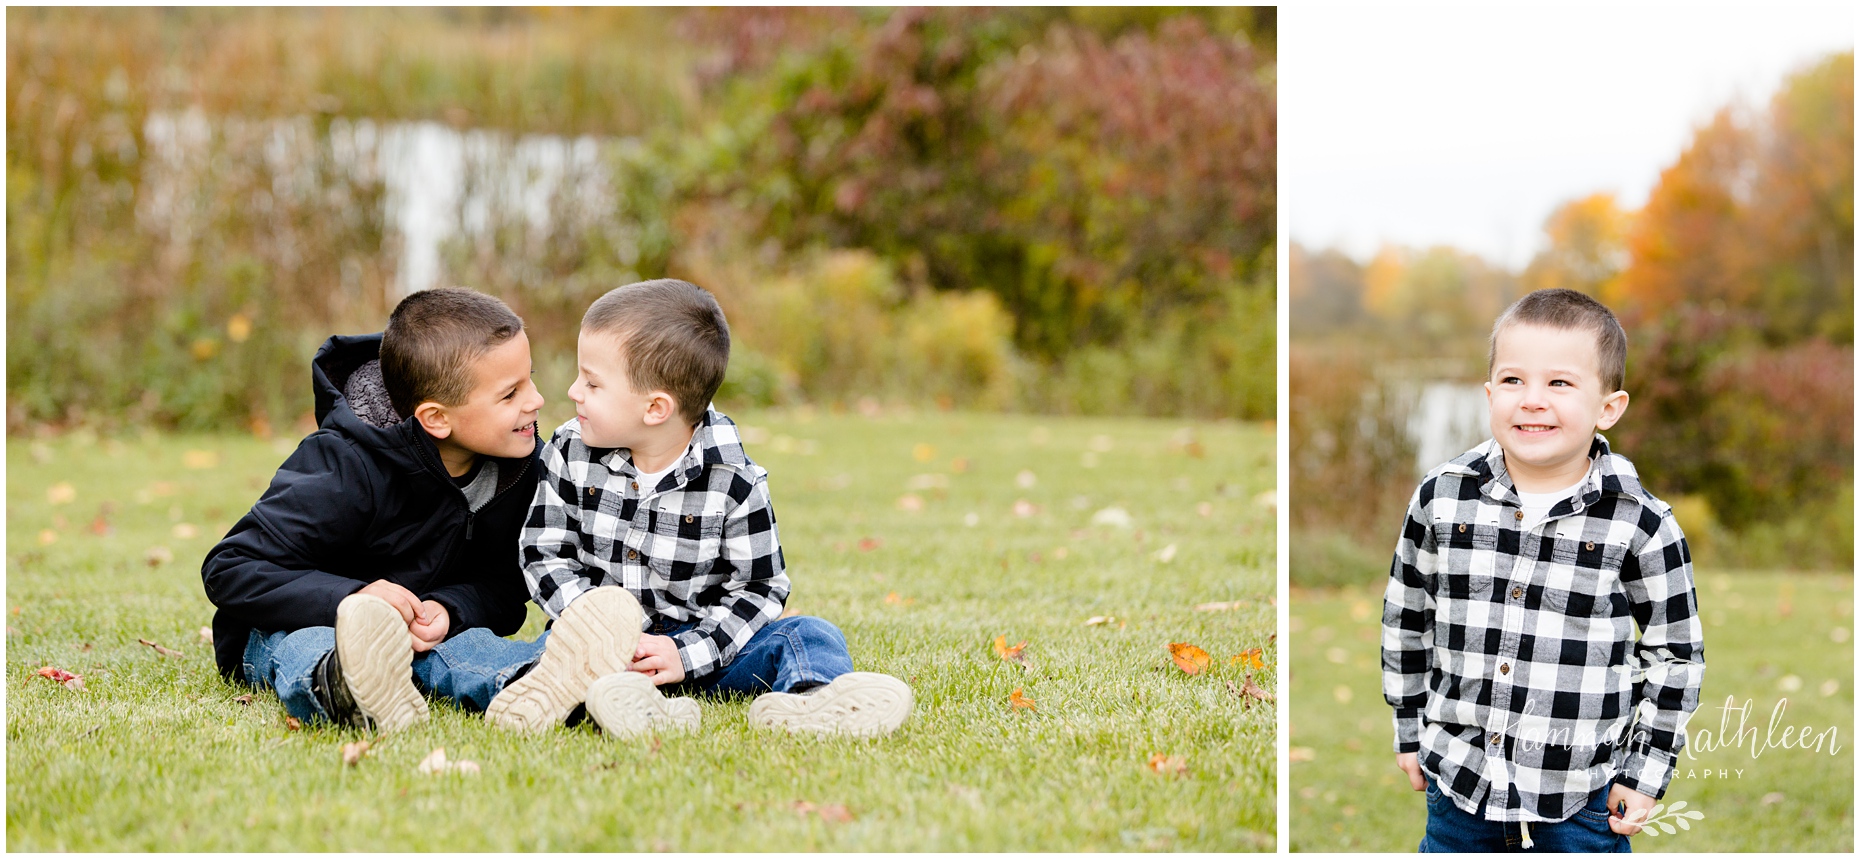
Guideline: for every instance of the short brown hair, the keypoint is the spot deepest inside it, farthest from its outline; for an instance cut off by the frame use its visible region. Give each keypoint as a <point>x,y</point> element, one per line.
<point>1569,310</point>
<point>674,337</point>
<point>432,340</point>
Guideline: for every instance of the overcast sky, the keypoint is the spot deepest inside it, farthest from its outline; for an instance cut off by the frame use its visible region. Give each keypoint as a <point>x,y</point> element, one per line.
<point>1466,125</point>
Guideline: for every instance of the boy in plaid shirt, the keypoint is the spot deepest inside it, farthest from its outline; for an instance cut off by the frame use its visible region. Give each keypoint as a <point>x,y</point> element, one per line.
<point>1521,696</point>
<point>648,493</point>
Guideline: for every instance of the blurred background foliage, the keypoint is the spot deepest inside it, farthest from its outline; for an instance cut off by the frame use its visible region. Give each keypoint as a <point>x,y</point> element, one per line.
<point>1063,210</point>
<point>1735,284</point>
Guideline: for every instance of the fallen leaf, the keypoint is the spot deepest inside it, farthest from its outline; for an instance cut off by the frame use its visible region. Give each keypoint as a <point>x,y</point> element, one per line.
<point>158,555</point>
<point>83,648</point>
<point>206,634</point>
<point>1302,754</point>
<point>48,537</point>
<point>835,813</point>
<point>1249,689</point>
<point>1204,509</point>
<point>60,493</point>
<point>1026,479</point>
<point>100,526</point>
<point>176,654</point>
<point>199,459</point>
<point>910,503</point>
<point>62,677</point>
<point>923,452</point>
<point>869,543</point>
<point>1025,509</point>
<point>960,465</point>
<point>1100,620</point>
<point>1189,658</point>
<point>243,700</point>
<point>893,599</point>
<point>292,723</point>
<point>1251,658</point>
<point>1268,499</point>
<point>352,752</point>
<point>434,762</point>
<point>1166,554</point>
<point>186,531</point>
<point>1172,765</point>
<point>1010,654</point>
<point>1220,606</point>
<point>1016,699</point>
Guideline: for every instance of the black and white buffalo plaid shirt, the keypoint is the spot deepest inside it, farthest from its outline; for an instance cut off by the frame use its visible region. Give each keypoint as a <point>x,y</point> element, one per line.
<point>700,546</point>
<point>1509,655</point>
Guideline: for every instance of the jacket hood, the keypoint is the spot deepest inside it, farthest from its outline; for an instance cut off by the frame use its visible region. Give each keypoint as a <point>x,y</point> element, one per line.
<point>351,400</point>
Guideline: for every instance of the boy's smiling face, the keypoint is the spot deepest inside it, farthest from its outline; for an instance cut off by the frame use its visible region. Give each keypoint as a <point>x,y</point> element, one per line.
<point>609,411</point>
<point>1547,402</point>
<point>498,418</point>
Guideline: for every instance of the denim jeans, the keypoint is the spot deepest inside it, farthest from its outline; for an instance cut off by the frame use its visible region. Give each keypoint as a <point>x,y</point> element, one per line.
<point>788,653</point>
<point>469,669</point>
<point>1451,830</point>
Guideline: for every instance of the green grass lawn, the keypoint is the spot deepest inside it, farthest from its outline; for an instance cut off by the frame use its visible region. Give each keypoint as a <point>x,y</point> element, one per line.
<point>1768,637</point>
<point>105,538</point>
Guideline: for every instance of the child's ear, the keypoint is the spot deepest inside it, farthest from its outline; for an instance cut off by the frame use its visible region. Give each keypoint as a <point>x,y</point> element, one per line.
<point>1612,407</point>
<point>660,407</point>
<point>434,419</point>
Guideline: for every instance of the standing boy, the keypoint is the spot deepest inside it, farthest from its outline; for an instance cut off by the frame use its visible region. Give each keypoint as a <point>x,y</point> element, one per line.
<point>1524,706</point>
<point>648,491</point>
<point>389,531</point>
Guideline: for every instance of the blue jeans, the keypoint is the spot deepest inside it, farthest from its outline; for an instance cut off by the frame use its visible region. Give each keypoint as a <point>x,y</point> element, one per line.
<point>469,669</point>
<point>790,653</point>
<point>1451,830</point>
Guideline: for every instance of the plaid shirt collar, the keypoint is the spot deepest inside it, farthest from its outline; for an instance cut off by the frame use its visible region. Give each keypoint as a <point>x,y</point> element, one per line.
<point>715,441</point>
<point>1608,472</point>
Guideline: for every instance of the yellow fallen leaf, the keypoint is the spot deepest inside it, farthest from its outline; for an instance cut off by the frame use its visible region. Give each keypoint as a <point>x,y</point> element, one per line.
<point>1189,658</point>
<point>1251,658</point>
<point>48,537</point>
<point>1010,654</point>
<point>923,452</point>
<point>199,459</point>
<point>60,493</point>
<point>1016,699</point>
<point>1171,765</point>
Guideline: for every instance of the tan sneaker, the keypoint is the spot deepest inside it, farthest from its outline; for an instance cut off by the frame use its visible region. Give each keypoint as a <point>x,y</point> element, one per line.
<point>627,705</point>
<point>595,636</point>
<point>374,655</point>
<point>859,704</point>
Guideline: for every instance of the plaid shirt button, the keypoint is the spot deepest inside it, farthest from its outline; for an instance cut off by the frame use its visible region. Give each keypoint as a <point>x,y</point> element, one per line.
<point>1517,593</point>
<point>1505,668</point>
<point>632,555</point>
<point>1519,515</point>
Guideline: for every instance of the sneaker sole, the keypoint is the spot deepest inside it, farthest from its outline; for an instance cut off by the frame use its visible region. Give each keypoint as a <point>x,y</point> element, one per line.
<point>594,637</point>
<point>627,705</point>
<point>859,704</point>
<point>376,653</point>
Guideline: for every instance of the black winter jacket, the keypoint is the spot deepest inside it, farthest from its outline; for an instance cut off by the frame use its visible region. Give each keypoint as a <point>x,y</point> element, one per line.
<point>358,502</point>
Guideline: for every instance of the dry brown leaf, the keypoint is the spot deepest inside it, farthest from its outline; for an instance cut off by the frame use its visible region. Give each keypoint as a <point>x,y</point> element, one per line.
<point>158,555</point>
<point>352,752</point>
<point>1189,658</point>
<point>292,723</point>
<point>173,654</point>
<point>1020,701</point>
<point>73,682</point>
<point>1010,654</point>
<point>835,813</point>
<point>803,807</point>
<point>1171,765</point>
<point>206,635</point>
<point>1220,606</point>
<point>244,700</point>
<point>1249,691</point>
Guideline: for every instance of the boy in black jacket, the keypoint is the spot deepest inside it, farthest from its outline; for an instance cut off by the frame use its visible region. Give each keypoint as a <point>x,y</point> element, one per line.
<point>384,553</point>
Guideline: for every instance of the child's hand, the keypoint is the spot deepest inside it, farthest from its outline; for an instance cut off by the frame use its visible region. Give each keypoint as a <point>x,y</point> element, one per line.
<point>1639,805</point>
<point>400,598</point>
<point>1410,763</point>
<point>657,658</point>
<point>430,627</point>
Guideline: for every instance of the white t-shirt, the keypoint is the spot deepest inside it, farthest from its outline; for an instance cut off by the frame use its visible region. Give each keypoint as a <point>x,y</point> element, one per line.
<point>1537,504</point>
<point>648,481</point>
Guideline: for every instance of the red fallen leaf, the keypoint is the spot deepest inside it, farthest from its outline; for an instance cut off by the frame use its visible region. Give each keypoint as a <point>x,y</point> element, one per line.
<point>176,654</point>
<point>292,723</point>
<point>62,677</point>
<point>869,543</point>
<point>1189,658</point>
<point>1172,765</point>
<point>1017,700</point>
<point>1010,654</point>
